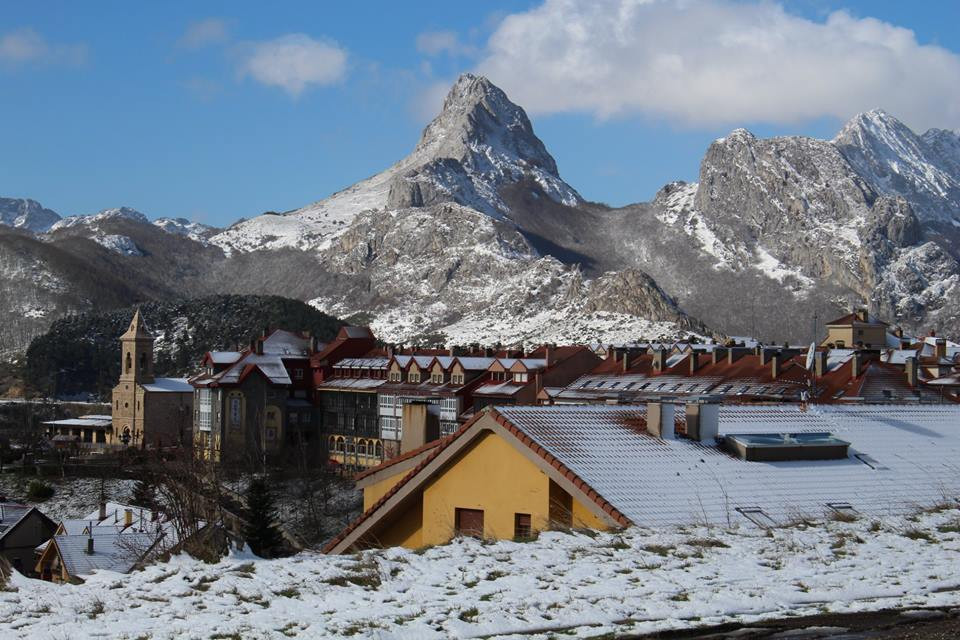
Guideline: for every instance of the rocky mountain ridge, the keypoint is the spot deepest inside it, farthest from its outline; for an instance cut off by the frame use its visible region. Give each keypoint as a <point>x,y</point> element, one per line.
<point>475,237</point>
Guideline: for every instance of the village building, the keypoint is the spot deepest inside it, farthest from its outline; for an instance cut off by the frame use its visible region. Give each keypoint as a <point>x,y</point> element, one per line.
<point>512,471</point>
<point>348,401</point>
<point>146,410</point>
<point>257,404</point>
<point>760,374</point>
<point>88,431</point>
<point>22,528</point>
<point>116,538</point>
<point>860,329</point>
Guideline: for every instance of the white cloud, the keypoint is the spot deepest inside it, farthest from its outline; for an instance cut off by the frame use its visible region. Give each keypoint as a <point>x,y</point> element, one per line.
<point>203,33</point>
<point>25,46</point>
<point>433,43</point>
<point>294,62</point>
<point>708,62</point>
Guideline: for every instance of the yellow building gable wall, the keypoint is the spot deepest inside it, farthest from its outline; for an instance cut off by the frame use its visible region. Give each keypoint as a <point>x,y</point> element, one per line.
<point>493,476</point>
<point>377,490</point>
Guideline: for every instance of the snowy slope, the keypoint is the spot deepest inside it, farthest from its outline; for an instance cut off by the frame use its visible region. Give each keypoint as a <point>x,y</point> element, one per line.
<point>561,585</point>
<point>479,142</point>
<point>183,227</point>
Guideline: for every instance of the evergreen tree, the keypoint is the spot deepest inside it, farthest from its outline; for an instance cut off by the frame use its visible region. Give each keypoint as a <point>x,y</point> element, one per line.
<point>144,495</point>
<point>260,532</point>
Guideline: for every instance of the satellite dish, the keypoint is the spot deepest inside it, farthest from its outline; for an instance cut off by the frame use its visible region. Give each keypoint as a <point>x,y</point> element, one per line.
<point>810,352</point>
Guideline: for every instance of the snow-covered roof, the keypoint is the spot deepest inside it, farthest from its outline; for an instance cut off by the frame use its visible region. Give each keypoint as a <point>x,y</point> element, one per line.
<point>168,385</point>
<point>499,389</point>
<point>475,363</point>
<point>224,357</point>
<point>363,363</point>
<point>352,383</point>
<point>82,421</point>
<point>118,552</point>
<point>10,515</point>
<point>899,456</point>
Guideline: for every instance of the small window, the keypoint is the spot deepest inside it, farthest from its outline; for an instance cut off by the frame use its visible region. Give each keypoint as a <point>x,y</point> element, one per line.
<point>522,529</point>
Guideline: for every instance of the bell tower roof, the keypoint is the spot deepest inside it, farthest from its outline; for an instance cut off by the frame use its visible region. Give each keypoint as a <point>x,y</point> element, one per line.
<point>138,328</point>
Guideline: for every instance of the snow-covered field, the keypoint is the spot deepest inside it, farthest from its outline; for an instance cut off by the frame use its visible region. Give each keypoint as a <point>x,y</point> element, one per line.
<point>635,582</point>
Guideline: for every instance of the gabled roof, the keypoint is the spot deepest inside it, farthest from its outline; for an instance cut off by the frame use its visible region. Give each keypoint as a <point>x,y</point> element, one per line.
<point>169,385</point>
<point>900,456</point>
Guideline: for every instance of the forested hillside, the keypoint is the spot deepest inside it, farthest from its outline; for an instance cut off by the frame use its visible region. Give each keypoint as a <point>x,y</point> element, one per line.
<point>80,354</point>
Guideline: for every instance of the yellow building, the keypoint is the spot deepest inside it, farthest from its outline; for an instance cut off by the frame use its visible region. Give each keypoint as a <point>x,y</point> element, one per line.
<point>488,480</point>
<point>858,329</point>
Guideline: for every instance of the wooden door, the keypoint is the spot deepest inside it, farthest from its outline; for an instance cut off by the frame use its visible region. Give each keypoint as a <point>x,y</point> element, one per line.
<point>469,522</point>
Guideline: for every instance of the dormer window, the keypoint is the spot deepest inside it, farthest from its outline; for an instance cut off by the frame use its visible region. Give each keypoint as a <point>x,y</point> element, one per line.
<point>456,378</point>
<point>413,376</point>
<point>394,376</point>
<point>520,377</point>
<point>436,378</point>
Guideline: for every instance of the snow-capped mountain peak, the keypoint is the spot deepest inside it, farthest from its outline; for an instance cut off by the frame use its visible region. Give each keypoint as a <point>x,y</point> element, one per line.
<point>478,143</point>
<point>23,213</point>
<point>896,161</point>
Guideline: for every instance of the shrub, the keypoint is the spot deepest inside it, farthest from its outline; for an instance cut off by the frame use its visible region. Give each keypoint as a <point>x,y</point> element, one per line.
<point>38,491</point>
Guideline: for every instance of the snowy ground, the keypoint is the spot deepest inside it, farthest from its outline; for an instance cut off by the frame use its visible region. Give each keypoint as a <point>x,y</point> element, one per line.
<point>573,585</point>
<point>72,498</point>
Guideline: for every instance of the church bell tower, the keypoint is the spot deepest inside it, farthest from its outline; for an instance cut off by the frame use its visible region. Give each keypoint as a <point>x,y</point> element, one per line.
<point>136,365</point>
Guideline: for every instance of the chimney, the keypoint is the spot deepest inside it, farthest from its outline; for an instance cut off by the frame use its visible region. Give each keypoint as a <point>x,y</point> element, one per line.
<point>253,345</point>
<point>819,363</point>
<point>259,347</point>
<point>127,517</point>
<point>626,361</point>
<point>731,356</point>
<point>718,354</point>
<point>898,332</point>
<point>910,368</point>
<point>862,315</point>
<point>102,514</point>
<point>660,420</point>
<point>694,362</point>
<point>90,543</point>
<point>487,352</point>
<point>548,351</point>
<point>266,331</point>
<point>941,348</point>
<point>703,420</point>
<point>856,364</point>
<point>775,366</point>
<point>758,350</point>
<point>659,358</point>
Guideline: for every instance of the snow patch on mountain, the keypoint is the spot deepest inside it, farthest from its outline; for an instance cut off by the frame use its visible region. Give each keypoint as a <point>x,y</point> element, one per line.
<point>183,227</point>
<point>123,245</point>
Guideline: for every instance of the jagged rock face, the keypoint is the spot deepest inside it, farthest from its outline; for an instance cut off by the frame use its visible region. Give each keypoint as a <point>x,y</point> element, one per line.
<point>896,161</point>
<point>451,270</point>
<point>30,215</point>
<point>480,142</point>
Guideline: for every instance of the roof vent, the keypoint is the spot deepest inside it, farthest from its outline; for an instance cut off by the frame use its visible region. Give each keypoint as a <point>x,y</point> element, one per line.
<point>660,420</point>
<point>779,447</point>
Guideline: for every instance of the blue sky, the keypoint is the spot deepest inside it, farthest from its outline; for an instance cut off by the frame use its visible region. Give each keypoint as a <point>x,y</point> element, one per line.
<point>216,111</point>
